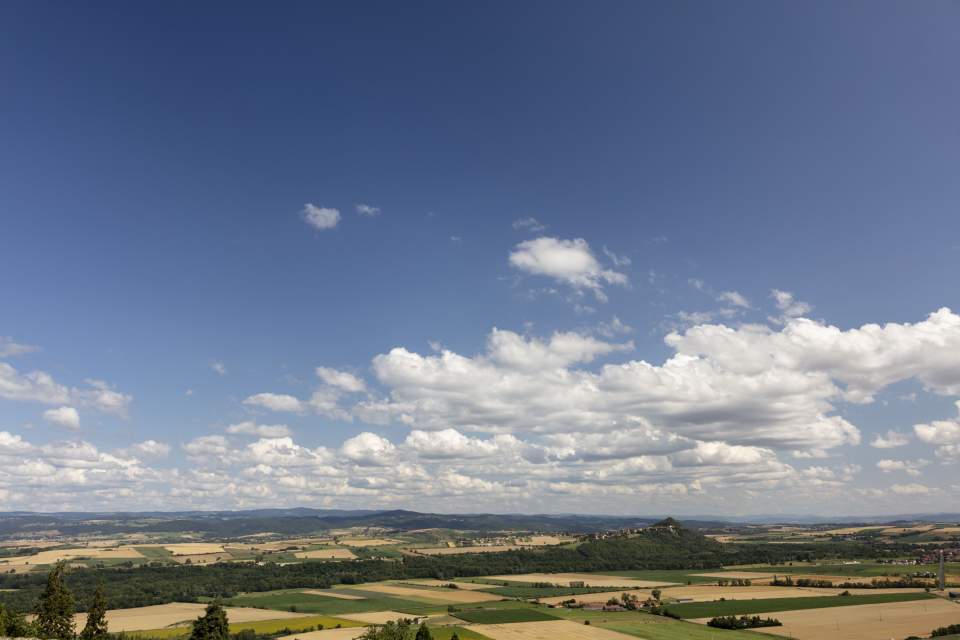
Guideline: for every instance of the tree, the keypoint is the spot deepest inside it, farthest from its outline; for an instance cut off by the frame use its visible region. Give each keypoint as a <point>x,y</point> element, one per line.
<point>423,633</point>
<point>13,624</point>
<point>212,625</point>
<point>96,627</point>
<point>454,636</point>
<point>390,631</point>
<point>55,607</point>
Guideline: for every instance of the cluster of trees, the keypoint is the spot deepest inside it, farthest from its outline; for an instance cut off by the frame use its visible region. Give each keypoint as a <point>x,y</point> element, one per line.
<point>54,614</point>
<point>400,630</point>
<point>886,583</point>
<point>734,582</point>
<point>948,630</point>
<point>743,622</point>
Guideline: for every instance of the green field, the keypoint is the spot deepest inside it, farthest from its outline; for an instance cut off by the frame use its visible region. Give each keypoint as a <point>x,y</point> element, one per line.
<point>262,626</point>
<point>650,627</point>
<point>866,570</point>
<point>309,603</point>
<point>767,605</point>
<point>155,553</point>
<point>548,592</point>
<point>503,616</point>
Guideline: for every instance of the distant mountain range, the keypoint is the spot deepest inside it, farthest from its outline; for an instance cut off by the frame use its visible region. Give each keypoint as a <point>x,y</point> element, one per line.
<point>298,521</point>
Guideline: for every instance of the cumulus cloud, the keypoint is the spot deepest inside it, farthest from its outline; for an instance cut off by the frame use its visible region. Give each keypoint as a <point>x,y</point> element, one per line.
<point>219,368</point>
<point>891,440</point>
<point>37,386</point>
<point>63,416</point>
<point>910,467</point>
<point>617,260</point>
<point>735,298</point>
<point>529,223</point>
<point>367,210</point>
<point>275,402</point>
<point>369,449</point>
<point>250,428</point>
<point>913,489</point>
<point>788,305</point>
<point>10,349</point>
<point>615,327</point>
<point>342,380</point>
<point>570,262</point>
<point>151,449</point>
<point>320,218</point>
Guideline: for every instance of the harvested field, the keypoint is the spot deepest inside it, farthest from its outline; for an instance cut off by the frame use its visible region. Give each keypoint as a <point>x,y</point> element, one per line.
<point>329,634</point>
<point>368,542</point>
<point>56,555</point>
<point>469,586</point>
<point>327,554</point>
<point>165,615</point>
<point>449,551</point>
<point>709,593</point>
<point>865,622</point>
<point>541,541</point>
<point>431,595</point>
<point>588,579</point>
<point>769,605</point>
<point>332,594</point>
<point>376,617</point>
<point>191,548</point>
<point>845,531</point>
<point>552,630</point>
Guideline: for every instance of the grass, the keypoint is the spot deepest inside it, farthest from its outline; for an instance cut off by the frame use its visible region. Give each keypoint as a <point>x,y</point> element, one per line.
<point>261,627</point>
<point>309,603</point>
<point>445,633</point>
<point>503,616</point>
<point>866,570</point>
<point>650,627</point>
<point>767,605</point>
<point>155,553</point>
<point>679,576</point>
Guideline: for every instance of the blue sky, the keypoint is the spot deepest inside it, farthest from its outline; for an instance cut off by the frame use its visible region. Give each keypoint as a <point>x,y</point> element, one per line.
<point>541,169</point>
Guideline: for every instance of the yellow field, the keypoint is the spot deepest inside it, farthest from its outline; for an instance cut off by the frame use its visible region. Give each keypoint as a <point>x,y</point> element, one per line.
<point>448,551</point>
<point>537,541</point>
<point>193,548</point>
<point>709,593</point>
<point>328,634</point>
<point>899,530</point>
<point>588,579</point>
<point>165,615</point>
<point>327,554</point>
<point>447,596</point>
<point>551,630</point>
<point>367,542</point>
<point>864,622</point>
<point>469,586</point>
<point>202,558</point>
<point>56,555</point>
<point>333,594</point>
<point>845,531</point>
<point>376,617</point>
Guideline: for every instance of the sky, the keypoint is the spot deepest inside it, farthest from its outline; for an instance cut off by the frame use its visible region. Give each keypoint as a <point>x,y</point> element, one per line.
<point>619,257</point>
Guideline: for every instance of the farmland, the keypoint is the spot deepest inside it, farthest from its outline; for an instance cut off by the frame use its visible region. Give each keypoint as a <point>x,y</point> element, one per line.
<point>740,607</point>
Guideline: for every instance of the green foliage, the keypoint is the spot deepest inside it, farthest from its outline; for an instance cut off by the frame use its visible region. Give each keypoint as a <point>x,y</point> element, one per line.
<point>399,630</point>
<point>55,607</point>
<point>743,622</point>
<point>949,630</point>
<point>212,625</point>
<point>14,624</point>
<point>423,633</point>
<point>96,627</point>
<point>767,605</point>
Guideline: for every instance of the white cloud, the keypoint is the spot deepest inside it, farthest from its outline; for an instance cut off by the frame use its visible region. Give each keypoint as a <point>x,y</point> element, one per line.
<point>151,449</point>
<point>250,428</point>
<point>910,467</point>
<point>568,261</point>
<point>613,328</point>
<point>275,402</point>
<point>341,379</point>
<point>369,449</point>
<point>35,386</point>
<point>735,298</point>
<point>320,218</point>
<point>207,447</point>
<point>891,440</point>
<point>101,396</point>
<point>529,223</point>
<point>219,368</point>
<point>512,350</point>
<point>788,305</point>
<point>11,349</point>
<point>63,416</point>
<point>367,210</point>
<point>617,260</point>
<point>913,489</point>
